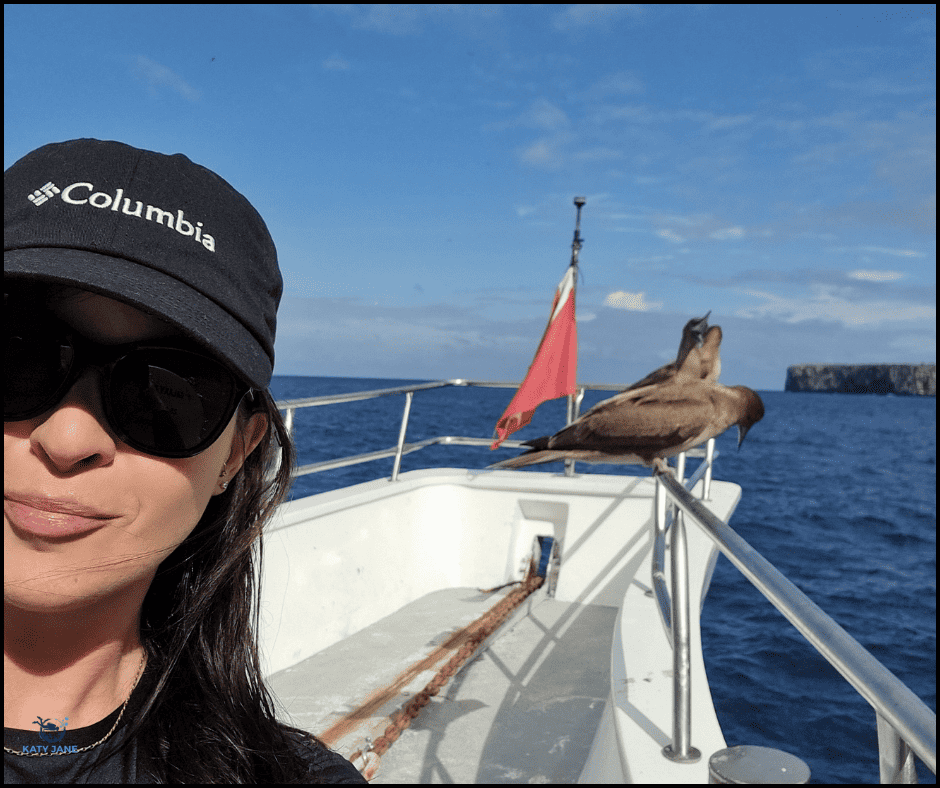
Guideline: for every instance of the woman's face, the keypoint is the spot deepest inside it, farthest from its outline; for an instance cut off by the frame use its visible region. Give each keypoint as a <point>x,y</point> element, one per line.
<point>68,461</point>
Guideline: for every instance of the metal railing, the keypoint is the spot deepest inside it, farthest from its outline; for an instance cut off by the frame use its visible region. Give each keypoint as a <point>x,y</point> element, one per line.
<point>905,724</point>
<point>291,405</point>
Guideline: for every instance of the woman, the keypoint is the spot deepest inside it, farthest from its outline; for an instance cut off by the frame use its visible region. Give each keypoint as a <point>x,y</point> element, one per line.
<point>142,455</point>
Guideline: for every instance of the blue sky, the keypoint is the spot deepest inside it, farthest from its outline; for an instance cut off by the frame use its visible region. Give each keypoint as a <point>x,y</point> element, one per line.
<point>416,166</point>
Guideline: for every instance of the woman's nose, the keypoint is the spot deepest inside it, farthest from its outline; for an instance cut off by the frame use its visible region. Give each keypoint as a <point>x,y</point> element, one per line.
<point>74,434</point>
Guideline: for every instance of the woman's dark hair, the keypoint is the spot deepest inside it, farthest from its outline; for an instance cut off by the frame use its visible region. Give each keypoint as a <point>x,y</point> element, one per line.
<point>209,717</point>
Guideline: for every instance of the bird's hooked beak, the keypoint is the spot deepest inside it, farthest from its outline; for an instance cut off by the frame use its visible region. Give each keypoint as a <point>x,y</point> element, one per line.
<point>742,431</point>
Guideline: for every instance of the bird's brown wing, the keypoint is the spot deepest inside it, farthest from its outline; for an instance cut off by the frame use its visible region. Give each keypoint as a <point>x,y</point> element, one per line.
<point>660,420</point>
<point>689,371</point>
<point>656,377</point>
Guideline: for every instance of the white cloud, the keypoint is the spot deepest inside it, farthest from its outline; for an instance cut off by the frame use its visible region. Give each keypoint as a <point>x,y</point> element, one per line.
<point>593,14</point>
<point>544,152</point>
<point>411,18</point>
<point>632,302</point>
<point>671,235</point>
<point>892,252</point>
<point>823,304</point>
<point>539,152</point>
<point>394,19</point>
<point>878,86</point>
<point>728,233</point>
<point>336,63</point>
<point>157,75</point>
<point>543,114</point>
<point>876,276</point>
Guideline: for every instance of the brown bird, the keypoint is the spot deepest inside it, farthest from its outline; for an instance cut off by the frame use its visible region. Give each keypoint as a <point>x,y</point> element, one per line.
<point>701,363</point>
<point>648,425</point>
<point>692,336</point>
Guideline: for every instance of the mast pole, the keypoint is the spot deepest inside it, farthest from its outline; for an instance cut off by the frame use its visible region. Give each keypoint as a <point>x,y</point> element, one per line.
<point>574,400</point>
<point>576,243</point>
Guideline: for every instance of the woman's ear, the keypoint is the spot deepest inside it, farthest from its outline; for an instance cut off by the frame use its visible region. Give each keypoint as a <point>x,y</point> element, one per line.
<point>255,430</point>
<point>244,442</point>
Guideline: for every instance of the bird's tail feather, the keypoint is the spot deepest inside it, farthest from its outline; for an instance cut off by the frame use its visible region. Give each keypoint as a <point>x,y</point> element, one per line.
<point>538,443</point>
<point>532,458</point>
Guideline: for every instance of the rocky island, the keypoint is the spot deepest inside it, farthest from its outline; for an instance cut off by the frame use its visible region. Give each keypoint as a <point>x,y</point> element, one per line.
<point>909,379</point>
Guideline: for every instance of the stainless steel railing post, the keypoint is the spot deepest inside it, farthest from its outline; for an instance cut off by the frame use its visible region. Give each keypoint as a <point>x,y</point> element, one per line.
<point>289,421</point>
<point>904,712</point>
<point>574,405</point>
<point>658,569</point>
<point>709,457</point>
<point>401,435</point>
<point>895,758</point>
<point>681,749</point>
<point>680,467</point>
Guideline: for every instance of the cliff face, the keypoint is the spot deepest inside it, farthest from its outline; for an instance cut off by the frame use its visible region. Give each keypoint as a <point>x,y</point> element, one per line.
<point>917,379</point>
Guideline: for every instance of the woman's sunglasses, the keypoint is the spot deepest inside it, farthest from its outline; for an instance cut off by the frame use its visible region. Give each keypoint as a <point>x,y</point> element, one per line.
<point>162,400</point>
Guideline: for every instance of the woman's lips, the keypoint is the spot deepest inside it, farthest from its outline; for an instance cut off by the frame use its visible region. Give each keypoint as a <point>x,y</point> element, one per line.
<point>52,518</point>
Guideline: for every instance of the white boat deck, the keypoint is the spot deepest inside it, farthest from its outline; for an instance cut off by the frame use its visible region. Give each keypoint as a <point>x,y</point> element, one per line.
<point>366,592</point>
<point>524,710</point>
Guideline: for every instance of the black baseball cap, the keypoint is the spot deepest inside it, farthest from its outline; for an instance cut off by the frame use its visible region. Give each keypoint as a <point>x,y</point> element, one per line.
<point>155,231</point>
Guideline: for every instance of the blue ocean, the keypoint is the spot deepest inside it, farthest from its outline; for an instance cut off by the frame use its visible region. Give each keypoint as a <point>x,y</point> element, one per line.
<point>839,494</point>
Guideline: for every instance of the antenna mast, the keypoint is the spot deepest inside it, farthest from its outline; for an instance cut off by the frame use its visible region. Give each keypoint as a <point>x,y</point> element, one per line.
<point>574,400</point>
<point>578,240</point>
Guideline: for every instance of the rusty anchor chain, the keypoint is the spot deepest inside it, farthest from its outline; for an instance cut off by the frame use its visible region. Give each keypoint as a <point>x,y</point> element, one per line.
<point>479,631</point>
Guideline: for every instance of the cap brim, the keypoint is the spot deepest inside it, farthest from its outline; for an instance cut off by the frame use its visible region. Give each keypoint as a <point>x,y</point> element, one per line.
<point>152,292</point>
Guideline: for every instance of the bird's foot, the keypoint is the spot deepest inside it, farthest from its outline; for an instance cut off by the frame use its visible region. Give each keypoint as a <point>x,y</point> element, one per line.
<point>660,466</point>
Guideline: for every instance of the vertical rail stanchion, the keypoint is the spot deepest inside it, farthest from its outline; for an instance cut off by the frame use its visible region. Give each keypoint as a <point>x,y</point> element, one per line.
<point>660,503</point>
<point>895,759</point>
<point>401,435</point>
<point>658,568</point>
<point>574,408</point>
<point>289,421</point>
<point>681,749</point>
<point>709,456</point>
<point>569,464</point>
<point>680,467</point>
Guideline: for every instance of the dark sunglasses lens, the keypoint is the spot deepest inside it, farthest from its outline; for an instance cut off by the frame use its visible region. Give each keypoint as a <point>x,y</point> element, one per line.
<point>171,403</point>
<point>36,366</point>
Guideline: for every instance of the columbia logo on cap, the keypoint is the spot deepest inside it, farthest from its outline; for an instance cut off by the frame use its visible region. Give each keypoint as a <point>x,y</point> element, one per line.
<point>43,193</point>
<point>78,194</point>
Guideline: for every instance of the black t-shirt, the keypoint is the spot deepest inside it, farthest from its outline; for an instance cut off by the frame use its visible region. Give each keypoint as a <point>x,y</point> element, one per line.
<point>325,765</point>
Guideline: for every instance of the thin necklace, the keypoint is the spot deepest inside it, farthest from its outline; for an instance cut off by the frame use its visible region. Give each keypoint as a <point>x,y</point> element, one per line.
<point>140,670</point>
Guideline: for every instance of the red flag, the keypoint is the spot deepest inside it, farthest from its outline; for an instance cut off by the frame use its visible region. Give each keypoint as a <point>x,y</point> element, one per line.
<point>553,371</point>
